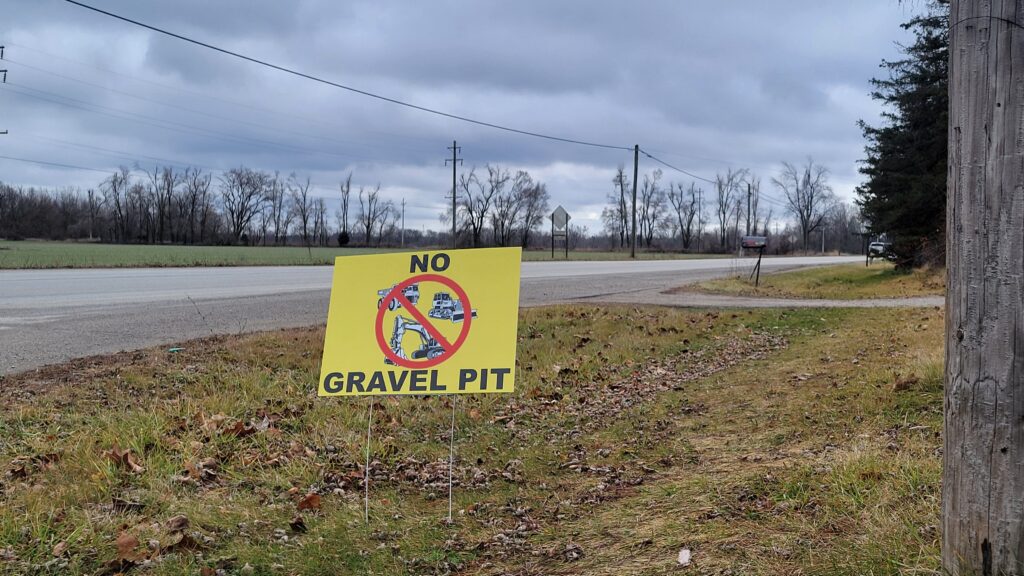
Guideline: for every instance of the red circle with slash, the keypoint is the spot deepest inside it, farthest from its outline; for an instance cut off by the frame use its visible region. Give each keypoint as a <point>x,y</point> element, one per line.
<point>398,293</point>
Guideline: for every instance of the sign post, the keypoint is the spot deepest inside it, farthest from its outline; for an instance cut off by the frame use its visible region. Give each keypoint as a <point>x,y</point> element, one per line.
<point>427,323</point>
<point>560,227</point>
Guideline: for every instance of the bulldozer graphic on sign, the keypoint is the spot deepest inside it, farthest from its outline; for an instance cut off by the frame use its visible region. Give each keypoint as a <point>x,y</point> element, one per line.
<point>443,307</point>
<point>447,308</point>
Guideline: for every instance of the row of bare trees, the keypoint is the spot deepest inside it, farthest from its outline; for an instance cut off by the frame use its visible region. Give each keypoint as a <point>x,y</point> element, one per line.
<point>192,206</point>
<point>736,203</point>
<point>499,207</point>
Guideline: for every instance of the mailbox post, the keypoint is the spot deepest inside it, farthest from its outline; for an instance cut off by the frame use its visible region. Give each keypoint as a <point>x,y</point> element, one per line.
<point>758,242</point>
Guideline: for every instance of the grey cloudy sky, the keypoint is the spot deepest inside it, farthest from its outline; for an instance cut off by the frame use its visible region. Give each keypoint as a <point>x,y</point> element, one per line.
<point>705,85</point>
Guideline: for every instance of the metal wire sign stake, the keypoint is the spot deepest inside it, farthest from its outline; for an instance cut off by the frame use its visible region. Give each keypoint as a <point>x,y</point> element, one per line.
<point>451,460</point>
<point>366,470</point>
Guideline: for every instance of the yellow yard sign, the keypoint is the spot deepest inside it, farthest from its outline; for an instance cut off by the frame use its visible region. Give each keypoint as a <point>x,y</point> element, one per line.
<point>422,323</point>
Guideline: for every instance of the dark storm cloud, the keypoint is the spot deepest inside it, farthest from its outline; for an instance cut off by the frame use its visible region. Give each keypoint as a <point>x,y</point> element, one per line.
<point>709,84</point>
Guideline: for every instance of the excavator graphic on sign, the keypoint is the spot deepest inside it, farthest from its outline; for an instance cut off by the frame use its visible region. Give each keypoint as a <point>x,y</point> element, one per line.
<point>429,348</point>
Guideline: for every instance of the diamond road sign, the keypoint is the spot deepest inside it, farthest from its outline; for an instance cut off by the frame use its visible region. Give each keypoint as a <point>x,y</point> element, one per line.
<point>559,218</point>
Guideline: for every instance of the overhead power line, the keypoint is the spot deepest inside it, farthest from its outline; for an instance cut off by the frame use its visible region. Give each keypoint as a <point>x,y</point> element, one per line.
<point>57,164</point>
<point>300,74</point>
<point>156,122</point>
<point>215,116</point>
<point>317,122</point>
<point>662,162</point>
<point>763,196</point>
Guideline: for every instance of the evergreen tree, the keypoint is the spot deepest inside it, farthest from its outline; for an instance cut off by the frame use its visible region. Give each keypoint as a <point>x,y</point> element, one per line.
<point>904,196</point>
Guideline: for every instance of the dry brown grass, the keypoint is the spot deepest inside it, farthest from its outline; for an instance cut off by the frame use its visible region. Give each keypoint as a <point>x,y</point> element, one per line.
<point>768,442</point>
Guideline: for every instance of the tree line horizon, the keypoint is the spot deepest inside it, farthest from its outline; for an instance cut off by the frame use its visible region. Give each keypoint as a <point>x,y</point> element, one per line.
<point>496,206</point>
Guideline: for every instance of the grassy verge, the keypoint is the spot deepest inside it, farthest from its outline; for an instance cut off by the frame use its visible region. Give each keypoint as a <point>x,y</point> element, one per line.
<point>845,282</point>
<point>34,254</point>
<point>767,442</point>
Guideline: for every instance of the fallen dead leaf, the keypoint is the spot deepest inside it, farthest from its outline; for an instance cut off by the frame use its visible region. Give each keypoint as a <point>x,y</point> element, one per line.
<point>309,502</point>
<point>60,548</point>
<point>182,542</point>
<point>123,458</point>
<point>126,545</point>
<point>177,523</point>
<point>239,430</point>
<point>907,383</point>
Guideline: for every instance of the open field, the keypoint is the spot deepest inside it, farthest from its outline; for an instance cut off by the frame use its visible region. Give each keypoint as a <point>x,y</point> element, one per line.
<point>844,282</point>
<point>766,442</point>
<point>35,254</point>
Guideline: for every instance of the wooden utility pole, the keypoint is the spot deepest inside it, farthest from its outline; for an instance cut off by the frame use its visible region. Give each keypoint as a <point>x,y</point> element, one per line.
<point>403,222</point>
<point>749,194</point>
<point>455,160</point>
<point>700,222</point>
<point>636,170</point>
<point>5,82</point>
<point>983,468</point>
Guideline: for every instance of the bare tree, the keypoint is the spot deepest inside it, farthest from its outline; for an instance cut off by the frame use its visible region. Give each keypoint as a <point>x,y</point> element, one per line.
<point>624,206</point>
<point>94,206</point>
<point>302,206</point>
<point>163,186</point>
<point>652,207</point>
<point>476,197</point>
<point>242,192</point>
<point>387,221</point>
<point>808,195</point>
<point>346,189</point>
<point>277,208</point>
<point>507,206</point>
<point>726,190</point>
<point>115,191</point>
<point>534,209</point>
<point>684,204</point>
<point>371,210</point>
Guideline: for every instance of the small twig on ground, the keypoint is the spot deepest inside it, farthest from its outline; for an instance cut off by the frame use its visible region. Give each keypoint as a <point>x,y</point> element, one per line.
<point>201,316</point>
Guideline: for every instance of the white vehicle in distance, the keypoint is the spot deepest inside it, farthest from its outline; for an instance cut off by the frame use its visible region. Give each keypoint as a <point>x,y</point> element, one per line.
<point>879,249</point>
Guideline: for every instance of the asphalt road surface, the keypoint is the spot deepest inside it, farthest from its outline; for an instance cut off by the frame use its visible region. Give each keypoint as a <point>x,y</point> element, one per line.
<point>48,316</point>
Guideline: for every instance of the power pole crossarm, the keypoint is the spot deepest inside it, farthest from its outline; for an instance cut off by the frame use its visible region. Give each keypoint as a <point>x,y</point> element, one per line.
<point>455,160</point>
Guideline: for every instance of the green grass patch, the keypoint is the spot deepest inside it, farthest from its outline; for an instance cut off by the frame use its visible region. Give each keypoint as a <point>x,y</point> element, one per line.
<point>38,254</point>
<point>844,282</point>
<point>768,442</point>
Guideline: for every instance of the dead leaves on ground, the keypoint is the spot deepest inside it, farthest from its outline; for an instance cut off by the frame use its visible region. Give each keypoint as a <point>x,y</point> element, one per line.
<point>123,459</point>
<point>174,537</point>
<point>310,501</point>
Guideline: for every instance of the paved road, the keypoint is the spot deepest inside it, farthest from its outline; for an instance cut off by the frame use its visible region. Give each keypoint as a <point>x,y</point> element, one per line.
<point>49,316</point>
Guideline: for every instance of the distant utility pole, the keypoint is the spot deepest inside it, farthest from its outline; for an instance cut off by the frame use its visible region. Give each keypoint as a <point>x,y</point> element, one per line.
<point>455,160</point>
<point>636,170</point>
<point>700,222</point>
<point>4,71</point>
<point>822,238</point>
<point>748,208</point>
<point>403,222</point>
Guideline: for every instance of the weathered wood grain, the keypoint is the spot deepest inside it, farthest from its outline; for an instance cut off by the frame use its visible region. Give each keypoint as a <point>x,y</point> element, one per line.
<point>983,476</point>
